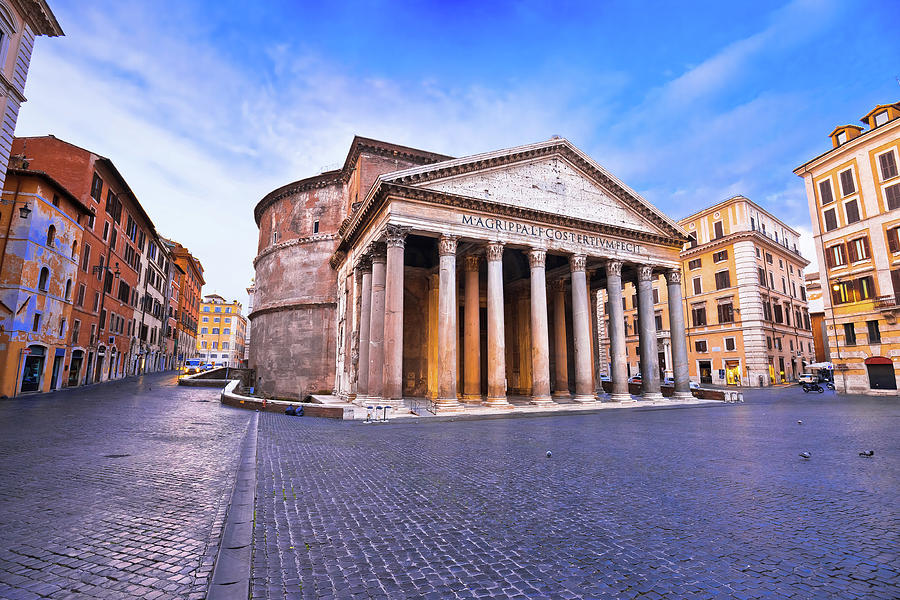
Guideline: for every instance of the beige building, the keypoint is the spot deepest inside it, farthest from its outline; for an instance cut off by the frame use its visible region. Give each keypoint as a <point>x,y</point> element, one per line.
<point>853,190</point>
<point>222,328</point>
<point>744,300</point>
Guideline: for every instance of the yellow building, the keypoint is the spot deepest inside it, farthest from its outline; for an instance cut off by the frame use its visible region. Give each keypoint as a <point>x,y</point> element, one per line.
<point>220,338</point>
<point>744,300</point>
<point>853,191</point>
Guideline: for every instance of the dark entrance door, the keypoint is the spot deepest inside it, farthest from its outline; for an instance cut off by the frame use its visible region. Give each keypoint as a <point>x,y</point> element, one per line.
<point>75,367</point>
<point>705,371</point>
<point>99,369</point>
<point>881,373</point>
<point>57,367</point>
<point>34,369</point>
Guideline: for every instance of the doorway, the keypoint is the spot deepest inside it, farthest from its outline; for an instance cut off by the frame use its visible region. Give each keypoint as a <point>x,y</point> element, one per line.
<point>57,367</point>
<point>75,367</point>
<point>33,370</point>
<point>705,368</point>
<point>733,372</point>
<point>881,373</point>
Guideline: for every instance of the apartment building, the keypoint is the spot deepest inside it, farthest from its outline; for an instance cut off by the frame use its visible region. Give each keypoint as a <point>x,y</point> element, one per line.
<point>745,302</point>
<point>853,192</point>
<point>222,331</point>
<point>190,282</point>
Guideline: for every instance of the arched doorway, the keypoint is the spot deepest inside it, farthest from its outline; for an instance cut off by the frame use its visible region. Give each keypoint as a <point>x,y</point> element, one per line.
<point>881,373</point>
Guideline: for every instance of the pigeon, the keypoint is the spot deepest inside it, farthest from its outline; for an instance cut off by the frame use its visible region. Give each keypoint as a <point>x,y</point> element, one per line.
<point>805,455</point>
<point>549,454</point>
<point>868,453</point>
<point>799,422</point>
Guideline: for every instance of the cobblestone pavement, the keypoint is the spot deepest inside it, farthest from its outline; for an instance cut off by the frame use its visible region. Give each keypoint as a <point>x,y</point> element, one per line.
<point>700,502</point>
<point>114,491</point>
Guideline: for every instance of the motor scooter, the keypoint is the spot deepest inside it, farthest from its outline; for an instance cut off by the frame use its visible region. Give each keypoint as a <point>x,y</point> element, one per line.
<point>812,387</point>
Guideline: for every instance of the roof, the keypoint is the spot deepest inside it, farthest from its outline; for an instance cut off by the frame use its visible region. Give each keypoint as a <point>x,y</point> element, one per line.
<point>878,108</point>
<point>45,176</point>
<point>40,17</point>
<point>722,203</point>
<point>340,176</point>
<point>860,139</point>
<point>842,127</point>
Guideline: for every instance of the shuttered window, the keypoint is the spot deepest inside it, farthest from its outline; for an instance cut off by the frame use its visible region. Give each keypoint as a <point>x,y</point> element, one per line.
<point>847,185</point>
<point>698,315</point>
<point>888,165</point>
<point>720,232</point>
<point>892,196</point>
<point>720,256</point>
<point>697,286</point>
<point>858,249</point>
<point>825,192</point>
<point>694,264</point>
<point>761,274</point>
<point>723,280</point>
<point>852,209</point>
<point>893,236</point>
<point>725,312</point>
<point>830,219</point>
<point>835,256</point>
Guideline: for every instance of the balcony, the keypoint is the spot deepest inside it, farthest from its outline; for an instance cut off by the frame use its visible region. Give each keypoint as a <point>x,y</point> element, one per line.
<point>890,305</point>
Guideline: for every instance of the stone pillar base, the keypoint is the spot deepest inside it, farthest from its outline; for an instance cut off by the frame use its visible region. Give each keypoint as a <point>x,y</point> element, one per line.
<point>471,398</point>
<point>562,394</point>
<point>447,404</point>
<point>621,398</point>
<point>500,402</point>
<point>584,398</point>
<point>652,396</point>
<point>542,400</point>
<point>683,396</point>
<point>365,400</point>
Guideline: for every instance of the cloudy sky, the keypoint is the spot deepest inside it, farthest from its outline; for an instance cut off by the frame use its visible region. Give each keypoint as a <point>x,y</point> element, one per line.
<point>207,106</point>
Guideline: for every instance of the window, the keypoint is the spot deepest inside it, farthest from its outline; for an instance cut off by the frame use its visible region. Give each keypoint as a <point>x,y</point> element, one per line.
<point>700,345</point>
<point>51,236</point>
<point>761,275</point>
<point>698,315</point>
<point>843,292</point>
<point>36,322</point>
<point>893,236</point>
<point>205,309</point>
<point>215,345</point>
<point>874,332</point>
<point>315,227</point>
<point>102,319</point>
<point>720,256</point>
<point>218,309</point>
<point>226,331</point>
<point>881,118</point>
<point>105,230</point>
<point>224,345</point>
<point>847,184</point>
<point>655,297</point>
<point>68,289</point>
<point>783,286</point>
<point>841,137</point>
<point>729,344</point>
<point>849,334</point>
<point>97,188</point>
<point>830,220</point>
<point>757,252</point>
<point>96,301</point>
<point>723,280</point>
<point>778,343</point>
<point>698,288</point>
<point>802,293</point>
<point>771,280</point>
<point>888,165</point>
<point>719,230</point>
<point>725,312</point>
<point>858,249</point>
<point>768,342</point>
<point>835,256</point>
<point>215,319</point>
<point>825,192</point>
<point>204,330</point>
<point>768,258</point>
<point>228,309</point>
<point>76,328</point>
<point>206,319</point>
<point>215,331</point>
<point>203,344</point>
<point>79,299</point>
<point>852,210</point>
<point>43,279</point>
<point>62,327</point>
<point>892,196</point>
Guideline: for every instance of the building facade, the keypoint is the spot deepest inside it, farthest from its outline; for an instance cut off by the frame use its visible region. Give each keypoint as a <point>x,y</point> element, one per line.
<point>190,282</point>
<point>853,191</point>
<point>43,225</point>
<point>250,293</point>
<point>409,274</point>
<point>222,330</point>
<point>20,22</point>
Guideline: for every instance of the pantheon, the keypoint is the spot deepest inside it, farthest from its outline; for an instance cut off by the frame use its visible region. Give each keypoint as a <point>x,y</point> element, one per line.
<point>474,280</point>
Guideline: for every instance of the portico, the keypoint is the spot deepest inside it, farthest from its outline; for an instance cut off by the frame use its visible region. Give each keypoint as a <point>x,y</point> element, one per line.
<point>470,281</point>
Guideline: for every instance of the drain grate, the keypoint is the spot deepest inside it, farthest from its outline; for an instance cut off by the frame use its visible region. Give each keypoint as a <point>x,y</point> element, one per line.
<point>115,455</point>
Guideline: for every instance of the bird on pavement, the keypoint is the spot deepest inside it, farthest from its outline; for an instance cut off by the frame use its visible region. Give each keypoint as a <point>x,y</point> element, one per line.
<point>805,455</point>
<point>549,454</point>
<point>868,453</point>
<point>799,422</point>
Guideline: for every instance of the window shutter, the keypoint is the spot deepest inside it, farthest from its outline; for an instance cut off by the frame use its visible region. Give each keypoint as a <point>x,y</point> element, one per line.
<point>893,236</point>
<point>847,185</point>
<point>892,195</point>
<point>829,257</point>
<point>888,165</point>
<point>825,192</point>
<point>852,251</point>
<point>865,245</point>
<point>852,209</point>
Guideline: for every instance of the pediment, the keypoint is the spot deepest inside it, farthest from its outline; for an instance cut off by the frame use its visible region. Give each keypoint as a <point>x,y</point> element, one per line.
<point>552,177</point>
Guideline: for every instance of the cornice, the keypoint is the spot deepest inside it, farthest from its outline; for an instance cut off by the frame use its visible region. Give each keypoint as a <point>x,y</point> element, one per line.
<point>323,237</point>
<point>731,238</point>
<point>319,181</point>
<point>351,229</point>
<point>289,306</point>
<point>862,138</point>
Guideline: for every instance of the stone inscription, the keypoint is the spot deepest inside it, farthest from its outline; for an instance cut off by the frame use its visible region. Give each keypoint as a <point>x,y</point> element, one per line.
<point>550,233</point>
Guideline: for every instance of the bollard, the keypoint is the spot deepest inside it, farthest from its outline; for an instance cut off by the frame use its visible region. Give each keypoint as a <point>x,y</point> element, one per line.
<point>386,409</point>
<point>378,408</point>
<point>369,417</point>
<point>740,396</point>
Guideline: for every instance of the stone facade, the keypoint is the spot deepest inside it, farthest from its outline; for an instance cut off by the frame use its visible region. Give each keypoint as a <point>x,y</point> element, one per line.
<point>407,273</point>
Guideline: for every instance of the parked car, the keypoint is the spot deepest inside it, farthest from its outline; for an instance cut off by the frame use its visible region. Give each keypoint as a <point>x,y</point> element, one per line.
<point>635,378</point>
<point>808,378</point>
<point>695,385</point>
<point>192,366</point>
<point>604,377</point>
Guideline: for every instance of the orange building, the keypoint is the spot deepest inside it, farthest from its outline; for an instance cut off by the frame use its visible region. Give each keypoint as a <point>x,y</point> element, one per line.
<point>190,282</point>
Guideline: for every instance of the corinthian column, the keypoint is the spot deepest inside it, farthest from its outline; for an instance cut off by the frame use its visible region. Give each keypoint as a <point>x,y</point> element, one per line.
<point>619,374</point>
<point>540,340</point>
<point>650,387</point>
<point>559,339</point>
<point>581,329</point>
<point>365,314</point>
<point>376,323</point>
<point>678,336</point>
<point>496,330</point>
<point>472,335</point>
<point>447,330</point>
<point>393,315</point>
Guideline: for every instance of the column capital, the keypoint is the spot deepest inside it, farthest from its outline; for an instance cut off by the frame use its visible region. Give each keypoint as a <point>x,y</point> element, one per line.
<point>673,276</point>
<point>614,267</point>
<point>364,264</point>
<point>472,262</point>
<point>378,252</point>
<point>645,273</point>
<point>395,235</point>
<point>537,258</point>
<point>577,262</point>
<point>447,245</point>
<point>495,251</point>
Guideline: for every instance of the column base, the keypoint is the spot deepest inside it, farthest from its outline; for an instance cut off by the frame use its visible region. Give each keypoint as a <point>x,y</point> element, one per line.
<point>683,396</point>
<point>621,398</point>
<point>652,396</point>
<point>471,398</point>
<point>582,398</point>
<point>447,405</point>
<point>542,400</point>
<point>562,394</point>
<point>499,402</point>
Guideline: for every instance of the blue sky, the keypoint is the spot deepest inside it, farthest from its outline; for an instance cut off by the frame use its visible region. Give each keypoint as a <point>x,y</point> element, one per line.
<point>207,106</point>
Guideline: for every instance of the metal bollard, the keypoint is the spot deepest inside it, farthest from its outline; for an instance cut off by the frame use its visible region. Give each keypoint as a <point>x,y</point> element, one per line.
<point>378,408</point>
<point>369,416</point>
<point>386,409</point>
<point>740,396</point>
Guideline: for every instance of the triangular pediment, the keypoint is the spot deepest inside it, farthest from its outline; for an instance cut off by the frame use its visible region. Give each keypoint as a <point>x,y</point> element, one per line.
<point>551,177</point>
